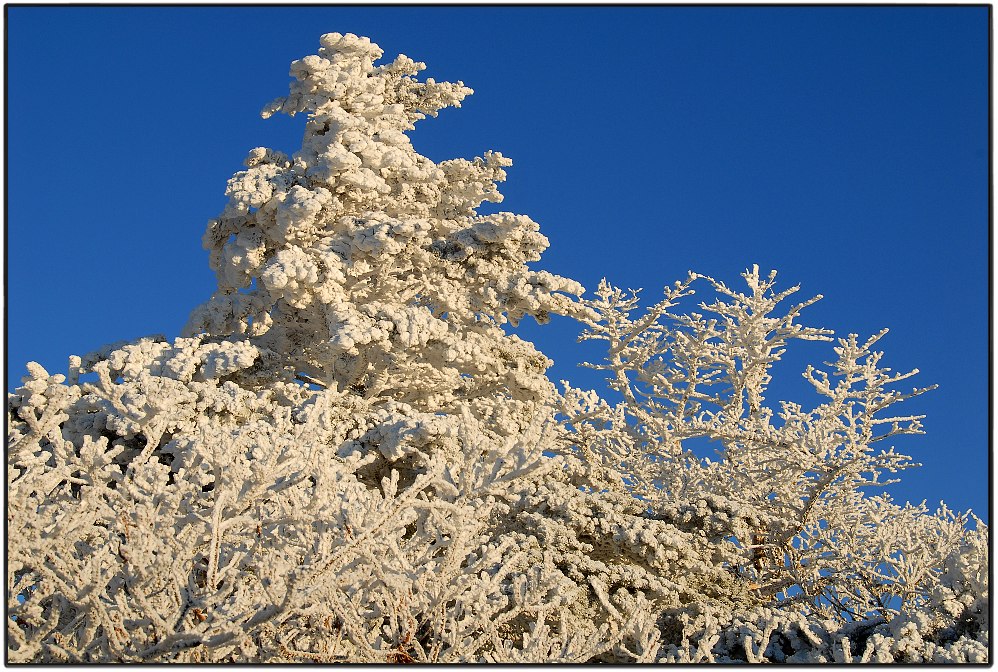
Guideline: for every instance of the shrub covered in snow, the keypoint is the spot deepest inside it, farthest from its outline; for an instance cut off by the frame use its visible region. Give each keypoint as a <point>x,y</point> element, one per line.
<point>346,457</point>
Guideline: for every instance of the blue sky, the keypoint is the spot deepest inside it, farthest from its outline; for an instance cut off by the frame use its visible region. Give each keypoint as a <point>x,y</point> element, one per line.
<point>846,147</point>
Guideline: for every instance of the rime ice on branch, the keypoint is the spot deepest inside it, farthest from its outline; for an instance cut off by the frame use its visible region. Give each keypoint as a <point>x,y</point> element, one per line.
<point>346,458</point>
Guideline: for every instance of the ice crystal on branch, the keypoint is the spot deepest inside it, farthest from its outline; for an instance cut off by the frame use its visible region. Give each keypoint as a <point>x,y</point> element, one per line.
<point>345,457</point>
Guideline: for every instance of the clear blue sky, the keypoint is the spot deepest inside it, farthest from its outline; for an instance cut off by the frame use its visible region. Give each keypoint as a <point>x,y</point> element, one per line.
<point>846,147</point>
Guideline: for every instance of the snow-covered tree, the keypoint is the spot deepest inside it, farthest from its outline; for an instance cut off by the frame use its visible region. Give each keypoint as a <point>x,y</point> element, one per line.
<point>347,457</point>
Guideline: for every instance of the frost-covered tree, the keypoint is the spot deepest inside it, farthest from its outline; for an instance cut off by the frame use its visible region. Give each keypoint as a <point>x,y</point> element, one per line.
<point>347,457</point>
